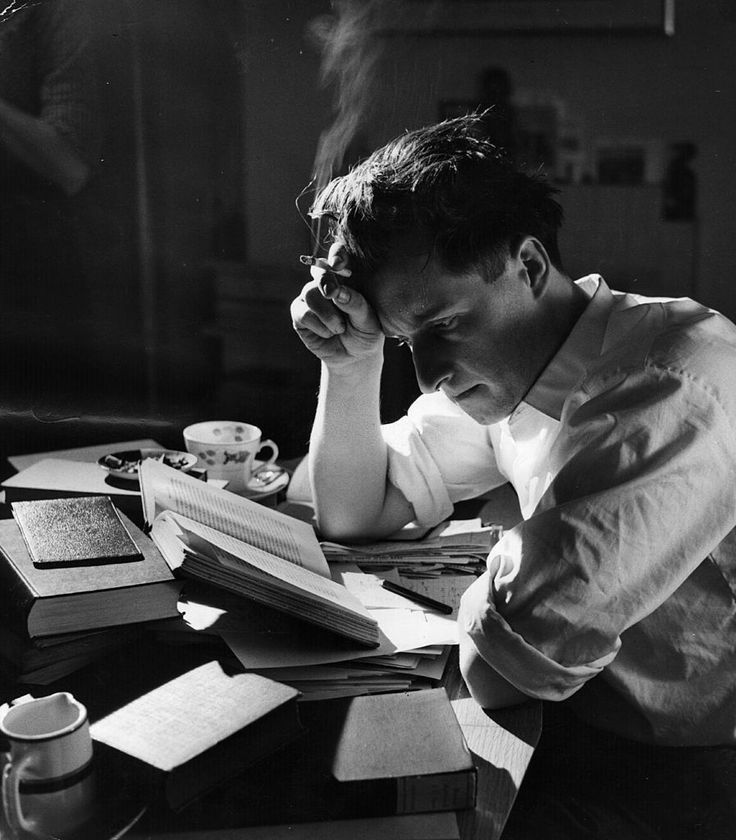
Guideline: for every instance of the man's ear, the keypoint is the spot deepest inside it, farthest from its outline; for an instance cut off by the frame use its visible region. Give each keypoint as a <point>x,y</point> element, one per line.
<point>535,264</point>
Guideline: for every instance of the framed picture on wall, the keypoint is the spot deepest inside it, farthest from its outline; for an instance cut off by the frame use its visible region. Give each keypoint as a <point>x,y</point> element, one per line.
<point>627,161</point>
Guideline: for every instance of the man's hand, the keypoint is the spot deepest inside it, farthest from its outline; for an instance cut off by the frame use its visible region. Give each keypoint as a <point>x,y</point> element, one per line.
<point>334,321</point>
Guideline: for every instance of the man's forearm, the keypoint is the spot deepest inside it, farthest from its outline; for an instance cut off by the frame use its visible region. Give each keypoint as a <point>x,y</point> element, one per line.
<point>487,687</point>
<point>40,146</point>
<point>348,458</point>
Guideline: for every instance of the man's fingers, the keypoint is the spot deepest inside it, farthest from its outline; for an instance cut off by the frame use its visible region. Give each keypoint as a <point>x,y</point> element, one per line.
<point>317,315</point>
<point>355,306</point>
<point>329,308</point>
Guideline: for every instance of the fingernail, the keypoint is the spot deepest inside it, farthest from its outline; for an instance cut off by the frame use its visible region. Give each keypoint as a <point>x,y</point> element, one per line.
<point>343,296</point>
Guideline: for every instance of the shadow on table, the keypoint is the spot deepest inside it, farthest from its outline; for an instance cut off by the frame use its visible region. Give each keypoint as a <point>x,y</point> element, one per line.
<point>502,752</point>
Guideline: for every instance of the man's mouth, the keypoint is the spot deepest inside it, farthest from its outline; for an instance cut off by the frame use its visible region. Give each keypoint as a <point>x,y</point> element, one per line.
<point>462,395</point>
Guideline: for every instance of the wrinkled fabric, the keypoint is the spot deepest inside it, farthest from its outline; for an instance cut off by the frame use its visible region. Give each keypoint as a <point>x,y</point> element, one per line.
<point>621,580</point>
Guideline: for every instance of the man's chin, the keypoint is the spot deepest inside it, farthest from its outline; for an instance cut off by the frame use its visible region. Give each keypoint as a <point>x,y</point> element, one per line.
<point>477,403</point>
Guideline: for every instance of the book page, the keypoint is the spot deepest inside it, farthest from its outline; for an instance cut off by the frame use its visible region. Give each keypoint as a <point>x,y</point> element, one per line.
<point>164,488</point>
<point>233,554</point>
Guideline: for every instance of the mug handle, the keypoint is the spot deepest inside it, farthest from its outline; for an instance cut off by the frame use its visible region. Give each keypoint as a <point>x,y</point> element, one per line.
<point>268,444</point>
<point>11,796</point>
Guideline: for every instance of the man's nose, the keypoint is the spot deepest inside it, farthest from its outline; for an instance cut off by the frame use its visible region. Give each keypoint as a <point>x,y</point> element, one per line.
<point>430,365</point>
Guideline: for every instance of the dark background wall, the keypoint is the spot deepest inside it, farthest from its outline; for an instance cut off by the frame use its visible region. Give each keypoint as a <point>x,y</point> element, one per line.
<point>213,113</point>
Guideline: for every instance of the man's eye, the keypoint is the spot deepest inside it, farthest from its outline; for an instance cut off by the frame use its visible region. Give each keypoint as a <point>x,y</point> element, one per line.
<point>446,323</point>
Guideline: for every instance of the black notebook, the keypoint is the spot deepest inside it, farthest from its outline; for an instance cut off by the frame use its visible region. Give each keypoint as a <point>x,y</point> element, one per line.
<point>73,532</point>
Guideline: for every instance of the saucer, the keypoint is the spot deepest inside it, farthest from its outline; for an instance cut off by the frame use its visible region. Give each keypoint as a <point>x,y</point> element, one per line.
<point>124,465</point>
<point>258,486</point>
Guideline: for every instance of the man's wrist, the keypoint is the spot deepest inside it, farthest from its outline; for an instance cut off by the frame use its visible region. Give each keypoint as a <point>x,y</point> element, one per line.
<point>354,370</point>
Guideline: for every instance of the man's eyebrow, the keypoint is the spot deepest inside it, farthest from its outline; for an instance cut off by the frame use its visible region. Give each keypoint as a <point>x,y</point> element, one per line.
<point>431,311</point>
<point>417,318</point>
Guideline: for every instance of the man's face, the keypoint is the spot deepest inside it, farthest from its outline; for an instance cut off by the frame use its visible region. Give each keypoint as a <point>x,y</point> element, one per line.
<point>475,340</point>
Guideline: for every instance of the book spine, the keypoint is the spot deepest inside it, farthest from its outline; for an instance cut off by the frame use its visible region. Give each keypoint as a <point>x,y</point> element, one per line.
<point>408,795</point>
<point>441,792</point>
<point>17,596</point>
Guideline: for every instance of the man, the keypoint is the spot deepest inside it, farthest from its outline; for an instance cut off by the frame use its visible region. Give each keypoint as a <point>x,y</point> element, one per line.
<point>614,418</point>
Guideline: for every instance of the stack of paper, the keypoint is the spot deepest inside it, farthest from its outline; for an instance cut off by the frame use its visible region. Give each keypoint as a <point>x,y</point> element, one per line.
<point>457,547</point>
<point>414,646</point>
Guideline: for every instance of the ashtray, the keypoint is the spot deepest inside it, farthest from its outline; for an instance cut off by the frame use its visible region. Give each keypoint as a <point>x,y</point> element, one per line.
<point>124,465</point>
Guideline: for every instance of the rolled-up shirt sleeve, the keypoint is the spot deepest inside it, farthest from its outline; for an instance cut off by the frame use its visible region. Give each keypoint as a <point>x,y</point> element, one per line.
<point>644,492</point>
<point>438,455</point>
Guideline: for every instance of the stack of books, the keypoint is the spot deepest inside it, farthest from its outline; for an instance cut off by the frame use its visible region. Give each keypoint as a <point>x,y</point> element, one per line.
<point>77,580</point>
<point>378,757</point>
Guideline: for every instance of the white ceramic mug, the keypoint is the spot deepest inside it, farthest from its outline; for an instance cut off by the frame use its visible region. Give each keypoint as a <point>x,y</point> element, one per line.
<point>47,779</point>
<point>227,449</point>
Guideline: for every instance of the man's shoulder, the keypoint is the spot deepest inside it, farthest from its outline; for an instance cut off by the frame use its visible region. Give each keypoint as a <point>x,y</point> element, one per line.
<point>670,332</point>
<point>677,338</point>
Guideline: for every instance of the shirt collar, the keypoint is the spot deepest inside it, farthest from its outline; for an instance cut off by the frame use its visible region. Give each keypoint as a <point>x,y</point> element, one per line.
<point>583,344</point>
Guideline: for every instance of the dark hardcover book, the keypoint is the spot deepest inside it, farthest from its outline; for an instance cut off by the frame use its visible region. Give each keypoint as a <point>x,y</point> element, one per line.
<point>87,530</point>
<point>190,734</point>
<point>369,756</point>
<point>24,660</point>
<point>48,601</point>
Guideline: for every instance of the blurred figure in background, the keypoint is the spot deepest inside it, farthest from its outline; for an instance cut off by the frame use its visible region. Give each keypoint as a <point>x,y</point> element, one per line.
<point>49,145</point>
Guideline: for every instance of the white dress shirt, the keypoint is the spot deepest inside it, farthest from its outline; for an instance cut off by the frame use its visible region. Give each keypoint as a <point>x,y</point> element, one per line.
<point>623,456</point>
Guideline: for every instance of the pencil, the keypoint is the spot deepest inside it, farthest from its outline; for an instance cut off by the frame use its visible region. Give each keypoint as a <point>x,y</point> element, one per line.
<point>417,597</point>
<point>321,262</point>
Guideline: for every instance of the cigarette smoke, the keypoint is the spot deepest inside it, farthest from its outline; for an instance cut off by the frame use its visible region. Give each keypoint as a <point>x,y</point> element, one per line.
<point>353,42</point>
<point>350,53</point>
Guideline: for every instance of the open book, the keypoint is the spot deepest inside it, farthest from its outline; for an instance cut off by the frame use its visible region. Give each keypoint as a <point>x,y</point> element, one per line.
<point>215,536</point>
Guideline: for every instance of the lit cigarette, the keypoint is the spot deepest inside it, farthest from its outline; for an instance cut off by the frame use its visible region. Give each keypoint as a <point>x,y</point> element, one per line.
<point>320,262</point>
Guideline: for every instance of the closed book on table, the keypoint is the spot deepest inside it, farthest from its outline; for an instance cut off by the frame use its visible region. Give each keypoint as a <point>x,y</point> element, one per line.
<point>87,530</point>
<point>368,756</point>
<point>46,601</point>
<point>188,735</point>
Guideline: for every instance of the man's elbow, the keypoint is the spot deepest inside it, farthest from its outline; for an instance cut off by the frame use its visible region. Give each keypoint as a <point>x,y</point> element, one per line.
<point>486,686</point>
<point>343,528</point>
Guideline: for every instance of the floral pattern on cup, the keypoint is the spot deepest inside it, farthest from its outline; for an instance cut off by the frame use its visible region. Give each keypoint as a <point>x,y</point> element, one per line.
<point>211,458</point>
<point>230,450</point>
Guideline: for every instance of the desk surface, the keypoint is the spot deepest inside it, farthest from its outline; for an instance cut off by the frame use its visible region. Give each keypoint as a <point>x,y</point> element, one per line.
<point>501,742</point>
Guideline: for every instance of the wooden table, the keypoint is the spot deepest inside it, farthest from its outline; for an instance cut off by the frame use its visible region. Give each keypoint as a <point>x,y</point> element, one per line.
<point>502,743</point>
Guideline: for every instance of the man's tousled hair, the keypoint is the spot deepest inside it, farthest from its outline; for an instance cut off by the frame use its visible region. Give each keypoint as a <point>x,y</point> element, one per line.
<point>449,184</point>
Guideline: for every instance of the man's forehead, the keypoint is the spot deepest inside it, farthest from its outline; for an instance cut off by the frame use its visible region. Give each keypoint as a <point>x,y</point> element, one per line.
<point>409,290</point>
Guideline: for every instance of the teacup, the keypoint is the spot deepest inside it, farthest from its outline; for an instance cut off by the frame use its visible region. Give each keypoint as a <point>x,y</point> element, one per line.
<point>227,449</point>
<point>47,779</point>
